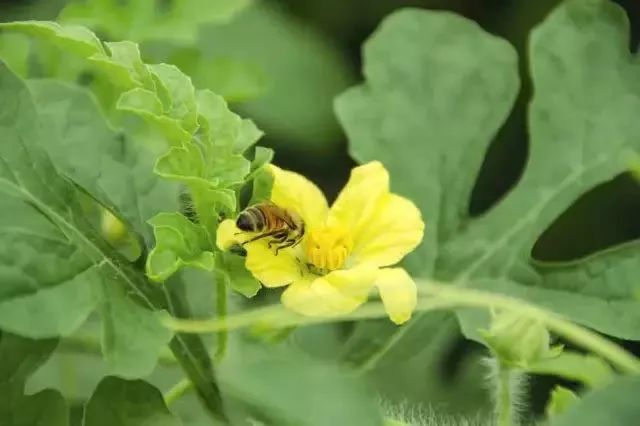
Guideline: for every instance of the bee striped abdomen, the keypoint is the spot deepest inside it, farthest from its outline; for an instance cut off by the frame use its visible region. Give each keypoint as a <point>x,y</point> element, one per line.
<point>283,228</point>
<point>252,220</point>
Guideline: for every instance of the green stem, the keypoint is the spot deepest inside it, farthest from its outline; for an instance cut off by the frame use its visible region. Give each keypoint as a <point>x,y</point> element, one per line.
<point>177,391</point>
<point>434,296</point>
<point>221,313</point>
<point>575,333</point>
<point>504,402</point>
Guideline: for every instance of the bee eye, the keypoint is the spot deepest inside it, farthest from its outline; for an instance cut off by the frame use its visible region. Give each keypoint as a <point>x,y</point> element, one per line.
<point>244,223</point>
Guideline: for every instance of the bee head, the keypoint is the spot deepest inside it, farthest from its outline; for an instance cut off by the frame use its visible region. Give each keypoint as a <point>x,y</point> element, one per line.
<point>245,222</point>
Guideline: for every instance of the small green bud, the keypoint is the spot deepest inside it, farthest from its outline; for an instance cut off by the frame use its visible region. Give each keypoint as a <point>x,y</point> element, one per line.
<point>115,232</point>
<point>112,228</point>
<point>561,399</point>
<point>518,341</point>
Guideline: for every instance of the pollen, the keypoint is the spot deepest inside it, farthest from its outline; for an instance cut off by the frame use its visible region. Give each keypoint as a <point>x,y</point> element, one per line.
<point>328,248</point>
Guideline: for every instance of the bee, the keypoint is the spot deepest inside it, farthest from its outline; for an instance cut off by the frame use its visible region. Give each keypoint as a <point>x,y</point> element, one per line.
<point>283,227</point>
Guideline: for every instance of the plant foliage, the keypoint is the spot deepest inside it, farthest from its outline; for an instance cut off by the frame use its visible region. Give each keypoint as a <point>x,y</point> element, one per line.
<point>168,161</point>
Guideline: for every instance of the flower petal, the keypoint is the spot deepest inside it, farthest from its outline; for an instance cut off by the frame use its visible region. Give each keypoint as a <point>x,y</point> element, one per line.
<point>294,192</point>
<point>227,234</point>
<point>398,293</point>
<point>393,231</point>
<point>358,200</point>
<point>338,293</point>
<point>270,269</point>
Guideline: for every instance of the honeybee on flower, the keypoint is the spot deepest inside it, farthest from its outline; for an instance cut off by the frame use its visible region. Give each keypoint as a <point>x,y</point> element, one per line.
<point>342,252</point>
<point>283,228</point>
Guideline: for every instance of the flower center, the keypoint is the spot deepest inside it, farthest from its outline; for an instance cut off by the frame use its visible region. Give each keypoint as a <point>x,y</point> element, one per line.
<point>327,248</point>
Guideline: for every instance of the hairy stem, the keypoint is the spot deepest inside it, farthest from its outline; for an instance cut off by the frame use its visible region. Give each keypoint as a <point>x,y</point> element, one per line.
<point>432,296</point>
<point>575,333</point>
<point>504,402</point>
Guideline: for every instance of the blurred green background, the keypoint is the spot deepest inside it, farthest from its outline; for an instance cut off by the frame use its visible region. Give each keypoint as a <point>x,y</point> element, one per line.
<point>281,63</point>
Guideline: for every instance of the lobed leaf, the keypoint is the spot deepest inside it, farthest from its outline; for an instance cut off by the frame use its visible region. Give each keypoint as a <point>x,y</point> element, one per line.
<point>19,358</point>
<point>179,243</point>
<point>53,242</point>
<point>127,403</point>
<point>107,164</point>
<point>74,38</point>
<point>583,131</point>
<point>179,92</point>
<point>132,336</point>
<point>409,113</point>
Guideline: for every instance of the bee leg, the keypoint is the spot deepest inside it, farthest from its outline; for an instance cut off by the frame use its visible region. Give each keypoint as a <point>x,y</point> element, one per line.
<point>258,237</point>
<point>295,242</point>
<point>287,243</point>
<point>278,239</point>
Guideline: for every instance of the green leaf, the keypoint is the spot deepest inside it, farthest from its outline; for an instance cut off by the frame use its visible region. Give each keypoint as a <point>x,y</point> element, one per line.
<point>19,358</point>
<point>179,243</point>
<point>142,100</point>
<point>614,405</point>
<point>606,282</point>
<point>76,39</point>
<point>254,371</point>
<point>143,20</point>
<point>429,89</point>
<point>123,65</point>
<point>564,162</point>
<point>181,94</point>
<point>560,400</point>
<point>456,74</point>
<point>587,369</point>
<point>211,163</point>
<point>132,337</point>
<point>114,169</point>
<point>47,277</point>
<point>223,128</point>
<point>261,158</point>
<point>14,51</point>
<point>261,178</point>
<point>29,410</point>
<point>127,403</point>
<point>231,269</point>
<point>34,192</point>
<point>428,112</point>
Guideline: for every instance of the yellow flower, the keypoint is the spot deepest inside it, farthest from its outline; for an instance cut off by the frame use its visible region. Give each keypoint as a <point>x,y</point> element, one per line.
<point>346,250</point>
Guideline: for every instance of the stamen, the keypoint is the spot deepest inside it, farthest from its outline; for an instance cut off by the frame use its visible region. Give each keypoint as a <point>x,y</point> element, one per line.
<point>328,248</point>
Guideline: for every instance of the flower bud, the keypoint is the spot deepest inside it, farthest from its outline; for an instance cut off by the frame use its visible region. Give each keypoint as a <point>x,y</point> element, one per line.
<point>518,341</point>
<point>112,228</point>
